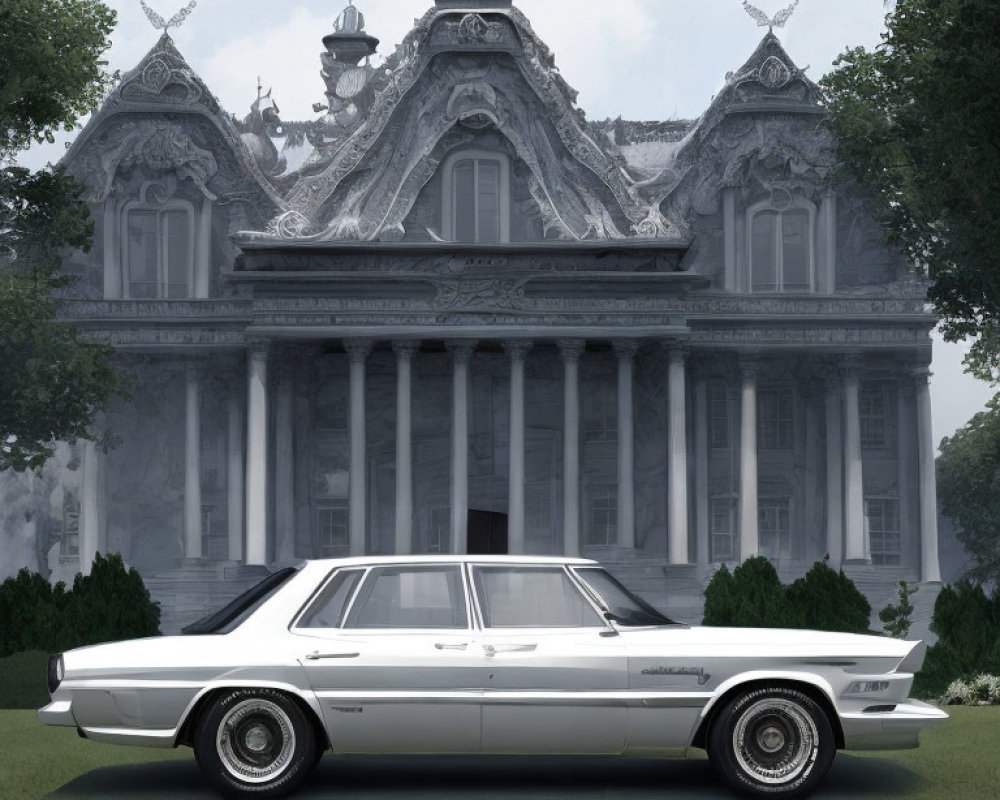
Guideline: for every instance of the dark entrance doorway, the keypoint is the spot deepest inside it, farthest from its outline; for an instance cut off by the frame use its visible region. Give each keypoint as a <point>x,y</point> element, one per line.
<point>487,533</point>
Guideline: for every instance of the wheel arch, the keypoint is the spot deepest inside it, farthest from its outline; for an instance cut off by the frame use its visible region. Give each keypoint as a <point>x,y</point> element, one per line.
<point>185,734</point>
<point>814,691</point>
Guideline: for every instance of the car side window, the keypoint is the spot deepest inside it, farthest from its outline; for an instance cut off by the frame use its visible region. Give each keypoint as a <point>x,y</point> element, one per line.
<point>532,597</point>
<point>410,597</point>
<point>327,608</point>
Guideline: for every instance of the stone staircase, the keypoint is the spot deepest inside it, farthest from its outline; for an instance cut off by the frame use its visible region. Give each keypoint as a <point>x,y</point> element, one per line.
<point>880,589</point>
<point>196,588</point>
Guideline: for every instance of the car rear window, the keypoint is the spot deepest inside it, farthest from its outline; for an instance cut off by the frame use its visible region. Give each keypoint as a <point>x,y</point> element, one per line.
<point>233,614</point>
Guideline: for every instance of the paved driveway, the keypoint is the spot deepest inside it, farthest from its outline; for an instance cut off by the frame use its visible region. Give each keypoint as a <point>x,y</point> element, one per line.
<point>851,778</point>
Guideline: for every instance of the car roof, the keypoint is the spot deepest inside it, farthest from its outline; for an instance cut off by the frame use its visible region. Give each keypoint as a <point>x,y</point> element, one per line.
<point>449,559</point>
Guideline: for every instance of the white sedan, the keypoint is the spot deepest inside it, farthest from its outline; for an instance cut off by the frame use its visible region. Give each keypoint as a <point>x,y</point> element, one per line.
<point>499,655</point>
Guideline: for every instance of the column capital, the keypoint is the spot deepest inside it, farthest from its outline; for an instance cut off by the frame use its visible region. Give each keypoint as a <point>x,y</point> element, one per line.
<point>462,350</point>
<point>677,351</point>
<point>921,375</point>
<point>405,349</point>
<point>850,365</point>
<point>258,347</point>
<point>625,349</point>
<point>358,350</point>
<point>197,369</point>
<point>572,350</point>
<point>749,365</point>
<point>517,349</point>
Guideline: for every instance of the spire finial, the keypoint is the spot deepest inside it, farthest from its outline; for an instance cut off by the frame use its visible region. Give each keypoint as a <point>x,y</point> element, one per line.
<point>174,22</point>
<point>764,21</point>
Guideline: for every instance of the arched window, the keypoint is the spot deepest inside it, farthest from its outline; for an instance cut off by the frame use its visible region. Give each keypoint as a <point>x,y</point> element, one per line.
<point>782,248</point>
<point>476,202</point>
<point>157,248</point>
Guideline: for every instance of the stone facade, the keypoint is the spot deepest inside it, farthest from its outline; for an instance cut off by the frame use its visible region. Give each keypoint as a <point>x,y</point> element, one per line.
<point>454,315</point>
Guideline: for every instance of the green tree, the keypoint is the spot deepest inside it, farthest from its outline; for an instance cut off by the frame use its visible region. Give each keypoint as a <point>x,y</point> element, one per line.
<point>751,596</point>
<point>968,480</point>
<point>50,72</point>
<point>917,122</point>
<point>825,599</point>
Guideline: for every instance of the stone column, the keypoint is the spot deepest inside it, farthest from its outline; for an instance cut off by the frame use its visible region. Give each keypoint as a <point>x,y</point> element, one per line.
<point>257,456</point>
<point>192,461</point>
<point>235,466</point>
<point>284,462</point>
<point>854,489</point>
<point>834,473</point>
<point>90,506</point>
<point>517,350</point>
<point>461,354</point>
<point>701,457</point>
<point>571,351</point>
<point>625,350</point>
<point>930,569</point>
<point>405,350</point>
<point>357,354</point>
<point>749,535</point>
<point>677,500</point>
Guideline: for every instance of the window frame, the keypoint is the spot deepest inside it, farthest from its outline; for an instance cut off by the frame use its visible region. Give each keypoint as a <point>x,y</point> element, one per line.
<point>162,256</point>
<point>448,205</point>
<point>779,390</point>
<point>578,585</point>
<point>769,206</point>
<point>883,498</point>
<point>414,567</point>
<point>730,502</point>
<point>777,501</point>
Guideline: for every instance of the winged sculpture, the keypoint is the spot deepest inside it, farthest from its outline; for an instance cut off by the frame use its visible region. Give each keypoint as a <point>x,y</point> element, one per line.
<point>764,21</point>
<point>174,22</point>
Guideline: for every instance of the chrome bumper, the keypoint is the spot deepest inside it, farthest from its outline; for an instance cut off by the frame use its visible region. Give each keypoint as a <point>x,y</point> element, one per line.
<point>58,712</point>
<point>898,729</point>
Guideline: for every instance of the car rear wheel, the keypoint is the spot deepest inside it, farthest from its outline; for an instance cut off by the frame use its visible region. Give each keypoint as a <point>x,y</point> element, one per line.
<point>255,743</point>
<point>772,742</point>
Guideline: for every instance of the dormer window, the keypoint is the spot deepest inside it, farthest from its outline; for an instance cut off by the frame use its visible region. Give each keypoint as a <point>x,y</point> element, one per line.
<point>158,250</point>
<point>781,248</point>
<point>476,201</point>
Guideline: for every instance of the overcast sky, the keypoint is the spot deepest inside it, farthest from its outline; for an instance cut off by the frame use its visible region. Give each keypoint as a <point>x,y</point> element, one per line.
<point>639,59</point>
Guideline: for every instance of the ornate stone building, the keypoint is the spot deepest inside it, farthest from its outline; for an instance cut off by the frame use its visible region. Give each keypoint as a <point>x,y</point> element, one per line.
<point>454,315</point>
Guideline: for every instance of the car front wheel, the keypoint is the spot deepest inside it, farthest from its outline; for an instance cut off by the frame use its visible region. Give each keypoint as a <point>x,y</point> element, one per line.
<point>772,742</point>
<point>255,743</point>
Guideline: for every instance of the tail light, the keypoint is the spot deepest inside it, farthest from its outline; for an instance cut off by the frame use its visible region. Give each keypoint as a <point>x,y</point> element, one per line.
<point>56,672</point>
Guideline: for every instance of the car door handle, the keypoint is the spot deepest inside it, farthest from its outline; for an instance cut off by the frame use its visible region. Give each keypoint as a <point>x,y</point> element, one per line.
<point>316,655</point>
<point>455,646</point>
<point>493,649</point>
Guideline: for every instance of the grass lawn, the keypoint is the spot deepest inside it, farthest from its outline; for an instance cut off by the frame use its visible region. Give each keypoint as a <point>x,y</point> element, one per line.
<point>956,761</point>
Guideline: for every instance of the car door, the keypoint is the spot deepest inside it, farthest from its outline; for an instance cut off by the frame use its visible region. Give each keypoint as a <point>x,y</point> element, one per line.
<point>557,680</point>
<point>396,669</point>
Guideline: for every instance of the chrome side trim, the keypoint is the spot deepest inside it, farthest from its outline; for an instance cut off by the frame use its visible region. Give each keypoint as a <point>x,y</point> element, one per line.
<point>143,737</point>
<point>473,696</point>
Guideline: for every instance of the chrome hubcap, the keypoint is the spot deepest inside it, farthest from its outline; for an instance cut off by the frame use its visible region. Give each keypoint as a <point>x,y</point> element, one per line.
<point>255,741</point>
<point>775,741</point>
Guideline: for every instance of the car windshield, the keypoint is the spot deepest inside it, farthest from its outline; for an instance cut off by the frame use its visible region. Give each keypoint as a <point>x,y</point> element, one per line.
<point>620,605</point>
<point>230,616</point>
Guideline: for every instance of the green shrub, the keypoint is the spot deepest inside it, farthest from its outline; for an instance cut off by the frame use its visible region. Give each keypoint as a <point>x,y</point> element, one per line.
<point>826,600</point>
<point>110,604</point>
<point>898,617</point>
<point>752,595</point>
<point>967,623</point>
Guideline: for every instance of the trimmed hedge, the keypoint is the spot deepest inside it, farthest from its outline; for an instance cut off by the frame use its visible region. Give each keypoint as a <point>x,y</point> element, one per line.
<point>752,596</point>
<point>967,623</point>
<point>109,604</point>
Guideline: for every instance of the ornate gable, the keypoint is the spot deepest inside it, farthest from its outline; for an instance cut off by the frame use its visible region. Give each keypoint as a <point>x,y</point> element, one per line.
<point>163,117</point>
<point>461,69</point>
